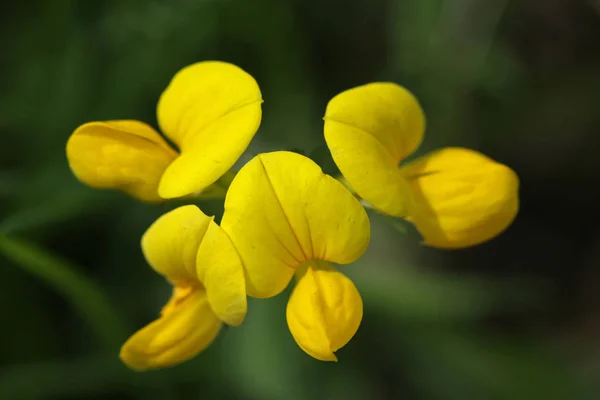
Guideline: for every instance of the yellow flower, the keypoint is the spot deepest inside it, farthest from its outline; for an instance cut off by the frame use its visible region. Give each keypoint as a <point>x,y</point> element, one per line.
<point>286,218</point>
<point>210,110</point>
<point>455,197</point>
<point>197,257</point>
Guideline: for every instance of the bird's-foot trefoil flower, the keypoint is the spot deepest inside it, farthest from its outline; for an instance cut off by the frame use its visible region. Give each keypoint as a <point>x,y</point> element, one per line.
<point>455,197</point>
<point>285,218</point>
<point>210,110</point>
<point>198,258</point>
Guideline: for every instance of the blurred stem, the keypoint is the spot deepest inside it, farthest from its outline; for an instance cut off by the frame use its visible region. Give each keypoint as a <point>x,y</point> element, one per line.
<point>399,224</point>
<point>75,287</point>
<point>344,182</point>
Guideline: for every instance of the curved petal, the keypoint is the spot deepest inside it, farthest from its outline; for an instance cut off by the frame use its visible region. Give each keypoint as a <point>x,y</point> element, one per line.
<point>462,198</point>
<point>369,130</point>
<point>126,155</point>
<point>281,211</point>
<point>186,326</point>
<point>220,270</point>
<point>324,311</point>
<point>211,110</point>
<point>171,243</point>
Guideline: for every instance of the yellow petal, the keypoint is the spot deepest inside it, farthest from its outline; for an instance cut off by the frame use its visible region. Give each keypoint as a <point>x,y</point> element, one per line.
<point>220,270</point>
<point>461,197</point>
<point>324,311</point>
<point>211,110</point>
<point>282,210</point>
<point>186,326</point>
<point>171,243</point>
<point>369,130</point>
<point>126,155</point>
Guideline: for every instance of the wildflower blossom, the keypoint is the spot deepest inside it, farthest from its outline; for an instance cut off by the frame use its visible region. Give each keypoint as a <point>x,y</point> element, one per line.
<point>210,110</point>
<point>285,218</point>
<point>454,196</point>
<point>197,257</point>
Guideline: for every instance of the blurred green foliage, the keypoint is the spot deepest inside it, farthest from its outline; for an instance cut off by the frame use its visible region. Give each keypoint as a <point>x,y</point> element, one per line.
<point>511,319</point>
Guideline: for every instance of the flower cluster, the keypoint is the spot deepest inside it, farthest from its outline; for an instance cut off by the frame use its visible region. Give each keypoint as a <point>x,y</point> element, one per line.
<point>283,216</point>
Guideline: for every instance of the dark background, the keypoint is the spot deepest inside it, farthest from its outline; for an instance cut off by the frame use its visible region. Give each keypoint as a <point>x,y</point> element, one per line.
<point>515,318</point>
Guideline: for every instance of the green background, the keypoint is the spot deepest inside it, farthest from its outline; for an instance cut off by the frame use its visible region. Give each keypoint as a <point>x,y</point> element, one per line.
<point>515,318</point>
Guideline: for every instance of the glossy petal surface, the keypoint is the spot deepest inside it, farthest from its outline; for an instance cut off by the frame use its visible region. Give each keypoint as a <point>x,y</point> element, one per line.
<point>219,268</point>
<point>369,130</point>
<point>324,311</point>
<point>281,211</point>
<point>211,110</point>
<point>125,155</point>
<point>186,326</point>
<point>462,198</point>
<point>171,243</point>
